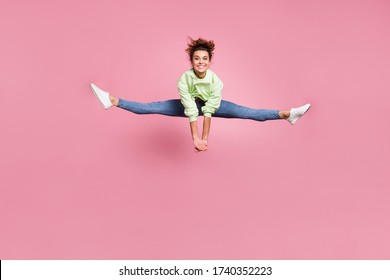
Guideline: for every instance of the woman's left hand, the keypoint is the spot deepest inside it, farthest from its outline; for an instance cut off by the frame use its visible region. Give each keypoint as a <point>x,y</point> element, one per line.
<point>200,145</point>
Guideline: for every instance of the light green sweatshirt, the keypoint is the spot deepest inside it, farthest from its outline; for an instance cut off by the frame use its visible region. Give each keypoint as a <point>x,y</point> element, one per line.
<point>209,89</point>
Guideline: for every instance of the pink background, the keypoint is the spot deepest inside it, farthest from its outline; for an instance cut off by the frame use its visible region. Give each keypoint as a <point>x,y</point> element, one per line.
<point>78,182</point>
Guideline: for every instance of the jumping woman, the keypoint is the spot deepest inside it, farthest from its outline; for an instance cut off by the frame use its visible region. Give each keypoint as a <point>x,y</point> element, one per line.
<point>200,94</point>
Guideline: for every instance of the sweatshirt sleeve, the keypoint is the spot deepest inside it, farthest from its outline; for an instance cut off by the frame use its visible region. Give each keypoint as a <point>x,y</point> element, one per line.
<point>214,101</point>
<point>190,109</point>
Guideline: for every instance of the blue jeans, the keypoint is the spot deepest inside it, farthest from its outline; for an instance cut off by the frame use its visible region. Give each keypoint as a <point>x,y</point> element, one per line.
<point>174,107</point>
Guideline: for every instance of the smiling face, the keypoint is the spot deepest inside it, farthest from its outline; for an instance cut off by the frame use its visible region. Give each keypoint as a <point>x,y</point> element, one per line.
<point>200,63</point>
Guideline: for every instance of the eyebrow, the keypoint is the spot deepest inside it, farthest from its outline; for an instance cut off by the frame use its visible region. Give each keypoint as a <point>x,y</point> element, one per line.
<point>206,56</point>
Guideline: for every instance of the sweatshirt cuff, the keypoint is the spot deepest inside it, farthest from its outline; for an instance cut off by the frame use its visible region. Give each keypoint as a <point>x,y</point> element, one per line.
<point>207,115</point>
<point>192,119</point>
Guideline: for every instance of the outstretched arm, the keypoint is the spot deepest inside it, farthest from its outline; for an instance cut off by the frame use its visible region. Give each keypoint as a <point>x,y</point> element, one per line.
<point>200,144</point>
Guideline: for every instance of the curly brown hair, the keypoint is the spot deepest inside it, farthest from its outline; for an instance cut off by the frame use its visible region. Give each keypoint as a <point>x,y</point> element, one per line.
<point>200,44</point>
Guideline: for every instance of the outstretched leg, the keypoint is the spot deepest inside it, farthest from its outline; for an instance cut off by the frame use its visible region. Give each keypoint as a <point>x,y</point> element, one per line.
<point>169,107</point>
<point>231,110</point>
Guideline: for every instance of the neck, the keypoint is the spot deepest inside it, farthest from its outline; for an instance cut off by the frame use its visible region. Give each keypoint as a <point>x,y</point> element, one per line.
<point>200,75</point>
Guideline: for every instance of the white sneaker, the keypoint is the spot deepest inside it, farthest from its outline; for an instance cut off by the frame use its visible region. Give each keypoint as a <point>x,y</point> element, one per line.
<point>297,113</point>
<point>103,96</point>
